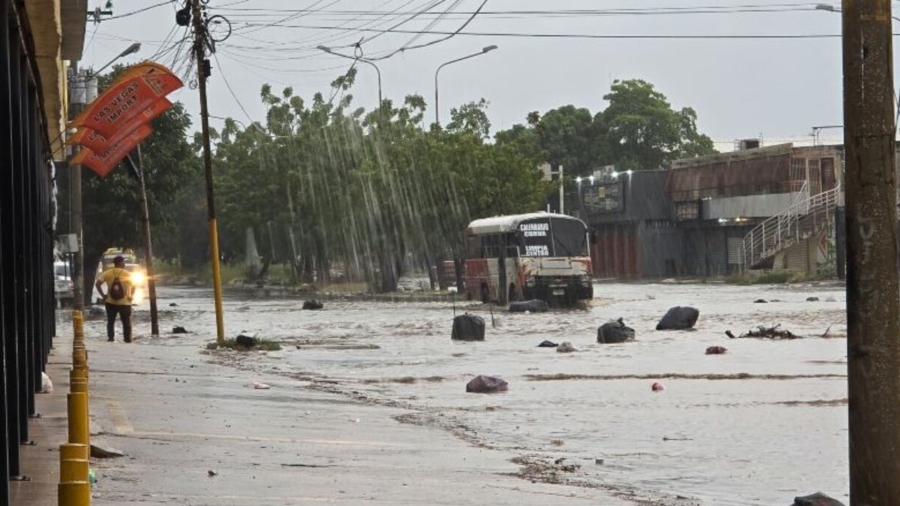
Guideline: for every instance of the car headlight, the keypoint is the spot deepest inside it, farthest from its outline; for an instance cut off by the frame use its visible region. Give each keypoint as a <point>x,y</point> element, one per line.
<point>138,278</point>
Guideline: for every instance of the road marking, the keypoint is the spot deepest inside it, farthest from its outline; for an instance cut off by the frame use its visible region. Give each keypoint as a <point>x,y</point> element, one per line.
<point>161,434</point>
<point>119,418</point>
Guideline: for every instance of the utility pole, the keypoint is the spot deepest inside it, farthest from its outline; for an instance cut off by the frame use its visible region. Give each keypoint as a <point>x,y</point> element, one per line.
<point>148,248</point>
<point>78,292</point>
<point>562,198</point>
<point>203,71</point>
<point>873,290</point>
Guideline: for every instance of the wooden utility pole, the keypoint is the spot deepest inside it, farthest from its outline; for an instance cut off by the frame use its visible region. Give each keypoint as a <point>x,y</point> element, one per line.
<point>873,290</point>
<point>148,248</point>
<point>203,68</point>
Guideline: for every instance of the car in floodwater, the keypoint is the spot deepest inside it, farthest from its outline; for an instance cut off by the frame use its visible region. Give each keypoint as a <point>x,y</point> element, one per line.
<point>63,287</point>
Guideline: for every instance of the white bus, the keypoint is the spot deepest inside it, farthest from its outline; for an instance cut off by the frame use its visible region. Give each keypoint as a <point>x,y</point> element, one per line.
<point>530,256</point>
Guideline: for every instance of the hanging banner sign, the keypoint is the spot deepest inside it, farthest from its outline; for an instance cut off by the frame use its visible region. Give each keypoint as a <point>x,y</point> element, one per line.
<point>103,163</point>
<point>98,143</point>
<point>128,97</point>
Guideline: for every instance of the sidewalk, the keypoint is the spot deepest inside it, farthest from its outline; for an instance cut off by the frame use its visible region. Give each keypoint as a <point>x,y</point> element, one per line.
<point>197,434</point>
<point>40,462</point>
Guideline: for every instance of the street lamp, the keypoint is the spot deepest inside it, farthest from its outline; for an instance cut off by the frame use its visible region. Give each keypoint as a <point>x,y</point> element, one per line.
<point>328,50</point>
<point>437,110</point>
<point>837,10</point>
<point>76,201</point>
<point>134,48</point>
<point>831,8</point>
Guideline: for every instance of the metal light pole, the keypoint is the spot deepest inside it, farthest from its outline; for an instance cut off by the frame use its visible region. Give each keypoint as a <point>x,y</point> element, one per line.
<point>76,203</point>
<point>148,248</point>
<point>437,109</point>
<point>328,50</point>
<point>831,8</point>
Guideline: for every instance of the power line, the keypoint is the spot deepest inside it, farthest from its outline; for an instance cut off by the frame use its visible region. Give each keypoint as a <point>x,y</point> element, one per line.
<point>655,11</point>
<point>583,35</point>
<point>448,37</point>
<point>227,85</point>
<point>145,9</point>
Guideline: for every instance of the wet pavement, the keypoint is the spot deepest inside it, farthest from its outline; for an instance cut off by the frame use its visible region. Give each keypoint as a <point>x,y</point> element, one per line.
<point>368,403</point>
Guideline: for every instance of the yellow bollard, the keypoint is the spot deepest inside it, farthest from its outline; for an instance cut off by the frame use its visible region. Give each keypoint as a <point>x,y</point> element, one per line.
<point>76,493</point>
<point>78,373</point>
<point>78,325</point>
<point>78,387</point>
<point>69,451</point>
<point>73,470</point>
<point>79,428</point>
<point>79,357</point>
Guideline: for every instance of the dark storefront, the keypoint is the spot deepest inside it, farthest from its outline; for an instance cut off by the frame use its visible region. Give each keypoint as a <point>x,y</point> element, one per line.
<point>26,237</point>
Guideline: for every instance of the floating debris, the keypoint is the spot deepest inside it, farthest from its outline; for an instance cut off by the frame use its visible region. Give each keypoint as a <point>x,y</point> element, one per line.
<point>766,333</point>
<point>565,347</point>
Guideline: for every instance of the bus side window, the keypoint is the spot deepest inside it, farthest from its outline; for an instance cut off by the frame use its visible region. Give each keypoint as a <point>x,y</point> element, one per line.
<point>473,246</point>
<point>491,246</point>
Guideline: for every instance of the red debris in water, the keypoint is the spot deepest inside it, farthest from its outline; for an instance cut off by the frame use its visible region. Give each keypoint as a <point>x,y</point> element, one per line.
<point>657,387</point>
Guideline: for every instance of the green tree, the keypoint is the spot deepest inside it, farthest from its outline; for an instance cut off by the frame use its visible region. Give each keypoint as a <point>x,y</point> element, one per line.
<point>566,137</point>
<point>471,117</point>
<point>371,192</point>
<point>639,129</point>
<point>111,205</point>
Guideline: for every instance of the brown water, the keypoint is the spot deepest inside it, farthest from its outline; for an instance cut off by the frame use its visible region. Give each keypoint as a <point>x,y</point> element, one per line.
<point>756,426</point>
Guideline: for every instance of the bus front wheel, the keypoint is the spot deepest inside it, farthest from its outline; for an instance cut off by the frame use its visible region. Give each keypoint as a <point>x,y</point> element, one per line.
<point>513,293</point>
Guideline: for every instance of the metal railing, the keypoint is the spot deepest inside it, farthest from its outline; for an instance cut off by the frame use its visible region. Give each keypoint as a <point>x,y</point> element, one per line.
<point>804,217</point>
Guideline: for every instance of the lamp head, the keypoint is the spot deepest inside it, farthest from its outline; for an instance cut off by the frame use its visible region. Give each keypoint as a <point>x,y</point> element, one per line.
<point>826,7</point>
<point>134,48</point>
<point>488,49</point>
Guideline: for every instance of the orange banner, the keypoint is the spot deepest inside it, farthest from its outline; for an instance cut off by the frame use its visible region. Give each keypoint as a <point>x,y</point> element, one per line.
<point>134,92</point>
<point>98,143</point>
<point>103,163</point>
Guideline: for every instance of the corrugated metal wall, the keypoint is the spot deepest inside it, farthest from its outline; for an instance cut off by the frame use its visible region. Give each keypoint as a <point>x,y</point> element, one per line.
<point>660,244</point>
<point>614,252</point>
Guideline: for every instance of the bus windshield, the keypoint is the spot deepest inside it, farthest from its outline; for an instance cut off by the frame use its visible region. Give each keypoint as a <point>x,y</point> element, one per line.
<point>553,237</point>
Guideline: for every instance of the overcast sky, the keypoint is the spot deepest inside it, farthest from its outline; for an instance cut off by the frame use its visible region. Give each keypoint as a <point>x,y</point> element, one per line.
<point>777,88</point>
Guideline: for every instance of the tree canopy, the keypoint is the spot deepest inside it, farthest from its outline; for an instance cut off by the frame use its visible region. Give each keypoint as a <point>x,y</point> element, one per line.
<point>333,189</point>
<point>637,130</point>
<point>329,188</point>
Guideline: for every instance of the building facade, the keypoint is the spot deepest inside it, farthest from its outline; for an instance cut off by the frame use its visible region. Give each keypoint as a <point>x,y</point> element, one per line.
<point>702,216</point>
<point>36,37</point>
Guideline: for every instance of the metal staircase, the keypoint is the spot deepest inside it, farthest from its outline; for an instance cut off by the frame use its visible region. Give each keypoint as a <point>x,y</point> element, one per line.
<point>803,218</point>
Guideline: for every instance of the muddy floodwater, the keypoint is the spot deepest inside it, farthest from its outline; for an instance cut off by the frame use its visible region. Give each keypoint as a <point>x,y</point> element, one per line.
<point>759,425</point>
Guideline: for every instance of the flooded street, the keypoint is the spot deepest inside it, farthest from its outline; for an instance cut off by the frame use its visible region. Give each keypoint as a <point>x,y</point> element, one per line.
<point>756,426</point>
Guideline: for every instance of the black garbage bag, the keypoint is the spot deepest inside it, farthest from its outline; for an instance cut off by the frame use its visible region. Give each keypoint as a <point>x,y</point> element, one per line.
<point>313,304</point>
<point>817,499</point>
<point>468,327</point>
<point>246,340</point>
<point>613,332</point>
<point>486,385</point>
<point>678,318</point>
<point>529,306</point>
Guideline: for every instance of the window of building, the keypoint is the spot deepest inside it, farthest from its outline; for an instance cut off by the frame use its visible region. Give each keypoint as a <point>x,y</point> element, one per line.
<point>688,210</point>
